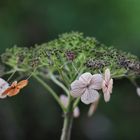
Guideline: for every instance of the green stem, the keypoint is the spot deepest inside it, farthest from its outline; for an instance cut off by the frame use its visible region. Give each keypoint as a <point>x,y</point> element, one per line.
<point>76,102</point>
<point>11,76</point>
<point>14,70</point>
<point>68,120</point>
<point>75,68</point>
<point>62,76</point>
<point>50,91</point>
<point>59,84</point>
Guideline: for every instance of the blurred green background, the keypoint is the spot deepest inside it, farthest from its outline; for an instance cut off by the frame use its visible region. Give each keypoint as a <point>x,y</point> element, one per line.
<point>33,114</point>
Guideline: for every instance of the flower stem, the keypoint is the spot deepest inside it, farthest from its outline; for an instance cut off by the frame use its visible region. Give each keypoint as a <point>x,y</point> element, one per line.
<point>68,120</point>
<point>11,76</point>
<point>51,91</point>
<point>59,84</point>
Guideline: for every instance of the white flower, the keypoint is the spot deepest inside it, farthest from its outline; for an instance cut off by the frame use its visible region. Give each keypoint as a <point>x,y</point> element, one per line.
<point>86,87</point>
<point>107,85</point>
<point>64,101</point>
<point>138,91</point>
<point>3,86</point>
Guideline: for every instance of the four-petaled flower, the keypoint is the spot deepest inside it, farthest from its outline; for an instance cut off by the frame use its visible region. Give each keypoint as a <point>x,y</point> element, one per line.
<point>107,85</point>
<point>86,87</point>
<point>15,88</point>
<point>64,101</point>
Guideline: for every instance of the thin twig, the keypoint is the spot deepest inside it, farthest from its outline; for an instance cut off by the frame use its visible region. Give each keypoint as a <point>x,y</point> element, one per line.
<point>59,84</point>
<point>51,91</point>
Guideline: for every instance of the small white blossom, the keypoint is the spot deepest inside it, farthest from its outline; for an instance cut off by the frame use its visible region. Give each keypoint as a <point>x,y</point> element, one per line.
<point>138,91</point>
<point>64,101</point>
<point>86,87</point>
<point>3,86</point>
<point>107,85</point>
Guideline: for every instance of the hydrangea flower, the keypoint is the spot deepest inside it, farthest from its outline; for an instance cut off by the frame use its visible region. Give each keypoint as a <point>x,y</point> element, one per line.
<point>107,85</point>
<point>15,88</point>
<point>64,101</point>
<point>3,86</point>
<point>86,87</point>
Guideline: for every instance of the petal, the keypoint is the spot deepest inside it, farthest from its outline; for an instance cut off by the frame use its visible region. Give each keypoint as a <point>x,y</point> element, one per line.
<point>110,86</point>
<point>107,75</point>
<point>3,86</point>
<point>85,78</point>
<point>104,87</point>
<point>107,97</point>
<point>3,96</point>
<point>107,87</point>
<point>76,112</point>
<point>7,91</point>
<point>138,91</point>
<point>77,88</point>
<point>14,84</point>
<point>93,108</point>
<point>22,84</point>
<point>89,96</point>
<point>64,100</point>
<point>97,81</point>
<point>13,92</point>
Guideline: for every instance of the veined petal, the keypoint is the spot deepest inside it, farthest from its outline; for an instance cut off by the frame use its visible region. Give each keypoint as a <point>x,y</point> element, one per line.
<point>110,86</point>
<point>97,81</point>
<point>89,96</point>
<point>107,85</point>
<point>106,97</point>
<point>104,86</point>
<point>77,88</point>
<point>85,78</point>
<point>107,75</point>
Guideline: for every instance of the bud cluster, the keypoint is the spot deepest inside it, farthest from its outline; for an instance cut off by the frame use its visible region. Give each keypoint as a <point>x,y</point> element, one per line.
<point>85,52</point>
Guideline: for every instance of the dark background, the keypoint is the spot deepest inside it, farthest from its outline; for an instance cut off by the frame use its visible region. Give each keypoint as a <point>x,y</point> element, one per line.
<point>33,114</point>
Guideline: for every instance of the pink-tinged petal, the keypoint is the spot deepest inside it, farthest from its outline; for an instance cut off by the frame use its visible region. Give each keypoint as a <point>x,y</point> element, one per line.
<point>104,87</point>
<point>93,108</point>
<point>97,81</point>
<point>138,91</point>
<point>3,86</point>
<point>107,85</point>
<point>76,112</point>
<point>85,78</point>
<point>110,86</point>
<point>107,75</point>
<point>64,100</point>
<point>77,88</point>
<point>89,96</point>
<point>107,97</point>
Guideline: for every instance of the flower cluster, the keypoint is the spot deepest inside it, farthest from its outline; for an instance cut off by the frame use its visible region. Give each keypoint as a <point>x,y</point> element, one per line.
<point>73,47</point>
<point>87,87</point>
<point>65,57</point>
